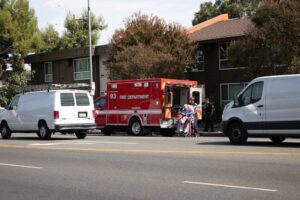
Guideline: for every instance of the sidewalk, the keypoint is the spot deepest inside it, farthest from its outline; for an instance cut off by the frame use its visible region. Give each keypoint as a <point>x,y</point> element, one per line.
<point>217,131</point>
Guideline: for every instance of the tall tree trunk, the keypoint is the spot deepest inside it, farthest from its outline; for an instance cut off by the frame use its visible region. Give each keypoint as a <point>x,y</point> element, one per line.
<point>21,62</point>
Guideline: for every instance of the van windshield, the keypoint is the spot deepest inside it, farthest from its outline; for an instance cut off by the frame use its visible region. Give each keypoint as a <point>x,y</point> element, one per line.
<point>82,99</point>
<point>67,99</point>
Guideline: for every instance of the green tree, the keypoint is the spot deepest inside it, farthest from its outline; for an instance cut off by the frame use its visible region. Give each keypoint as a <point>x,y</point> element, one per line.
<point>272,46</point>
<point>76,34</point>
<point>19,35</point>
<point>6,29</point>
<point>50,39</point>
<point>10,89</point>
<point>148,47</point>
<point>206,12</point>
<point>18,29</point>
<point>235,9</point>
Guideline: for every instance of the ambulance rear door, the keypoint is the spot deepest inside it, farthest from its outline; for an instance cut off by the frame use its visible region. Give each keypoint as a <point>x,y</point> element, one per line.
<point>196,93</point>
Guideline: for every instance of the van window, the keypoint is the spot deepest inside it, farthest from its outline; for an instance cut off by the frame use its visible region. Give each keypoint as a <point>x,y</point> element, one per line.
<point>100,102</point>
<point>82,99</point>
<point>14,102</point>
<point>67,99</point>
<point>257,91</point>
<point>245,98</point>
<point>252,94</point>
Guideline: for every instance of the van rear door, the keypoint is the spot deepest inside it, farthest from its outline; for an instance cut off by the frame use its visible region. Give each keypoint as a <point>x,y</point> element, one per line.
<point>75,108</point>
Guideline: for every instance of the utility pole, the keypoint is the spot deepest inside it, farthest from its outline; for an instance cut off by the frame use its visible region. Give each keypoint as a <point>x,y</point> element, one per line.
<point>90,52</point>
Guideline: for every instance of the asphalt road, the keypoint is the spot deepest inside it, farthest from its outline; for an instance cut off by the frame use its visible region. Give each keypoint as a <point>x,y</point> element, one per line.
<point>156,168</point>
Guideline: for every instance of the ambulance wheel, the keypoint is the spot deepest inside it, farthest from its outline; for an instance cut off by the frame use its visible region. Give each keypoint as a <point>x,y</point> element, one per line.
<point>135,128</point>
<point>5,131</point>
<point>237,134</point>
<point>80,135</point>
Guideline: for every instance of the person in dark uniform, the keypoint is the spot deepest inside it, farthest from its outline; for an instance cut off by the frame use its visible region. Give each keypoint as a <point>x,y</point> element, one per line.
<point>208,115</point>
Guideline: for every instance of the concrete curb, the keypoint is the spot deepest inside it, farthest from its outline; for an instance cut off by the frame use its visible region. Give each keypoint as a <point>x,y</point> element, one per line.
<point>215,133</point>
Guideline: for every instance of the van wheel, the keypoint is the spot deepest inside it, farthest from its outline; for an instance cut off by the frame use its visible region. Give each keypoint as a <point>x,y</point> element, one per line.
<point>135,128</point>
<point>80,135</point>
<point>277,139</point>
<point>5,131</point>
<point>237,134</point>
<point>44,131</point>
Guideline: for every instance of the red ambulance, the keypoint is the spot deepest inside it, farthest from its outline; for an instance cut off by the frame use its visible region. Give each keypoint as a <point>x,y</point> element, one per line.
<point>143,105</point>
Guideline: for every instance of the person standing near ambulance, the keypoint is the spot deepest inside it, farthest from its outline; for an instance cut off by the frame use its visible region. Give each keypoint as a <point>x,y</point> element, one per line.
<point>208,115</point>
<point>196,128</point>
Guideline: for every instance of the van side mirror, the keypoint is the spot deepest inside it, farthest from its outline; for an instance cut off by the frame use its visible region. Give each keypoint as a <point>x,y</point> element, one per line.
<point>236,101</point>
<point>8,107</point>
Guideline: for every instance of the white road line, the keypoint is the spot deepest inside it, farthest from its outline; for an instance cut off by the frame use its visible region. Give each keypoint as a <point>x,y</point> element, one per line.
<point>22,166</point>
<point>230,186</point>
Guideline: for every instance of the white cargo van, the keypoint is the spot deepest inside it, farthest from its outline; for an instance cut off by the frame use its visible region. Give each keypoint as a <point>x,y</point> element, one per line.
<point>46,112</point>
<point>268,107</point>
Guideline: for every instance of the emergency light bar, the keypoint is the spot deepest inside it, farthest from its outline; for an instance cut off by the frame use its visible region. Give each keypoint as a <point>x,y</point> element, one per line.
<point>180,84</point>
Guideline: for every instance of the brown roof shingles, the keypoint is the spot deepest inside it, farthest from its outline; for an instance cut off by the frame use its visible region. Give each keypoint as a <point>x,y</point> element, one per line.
<point>223,29</point>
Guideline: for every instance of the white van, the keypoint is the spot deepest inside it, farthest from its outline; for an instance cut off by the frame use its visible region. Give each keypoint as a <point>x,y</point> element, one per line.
<point>268,107</point>
<point>46,112</point>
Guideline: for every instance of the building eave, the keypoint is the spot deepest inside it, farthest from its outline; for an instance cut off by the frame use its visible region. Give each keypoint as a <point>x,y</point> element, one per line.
<point>65,54</point>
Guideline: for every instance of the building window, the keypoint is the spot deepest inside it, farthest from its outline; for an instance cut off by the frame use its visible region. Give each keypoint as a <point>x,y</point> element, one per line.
<point>223,56</point>
<point>48,72</point>
<point>198,64</point>
<point>229,90</point>
<point>81,69</point>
